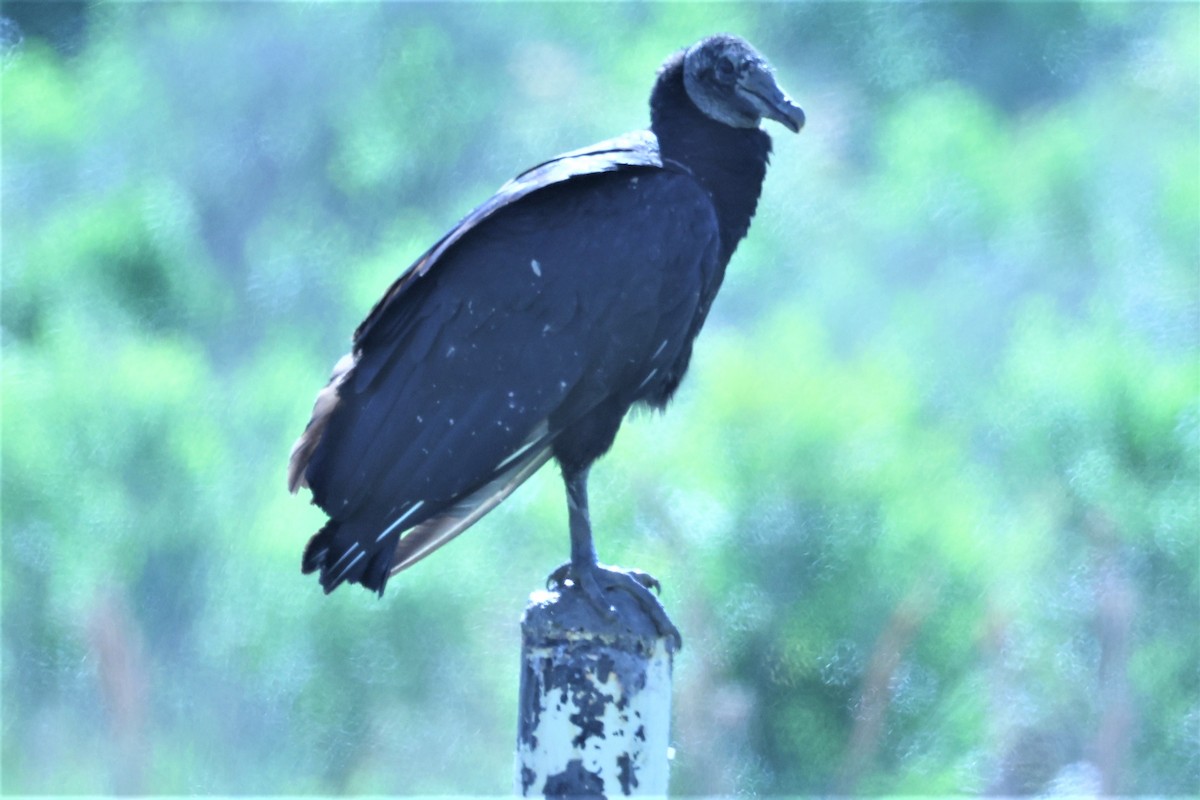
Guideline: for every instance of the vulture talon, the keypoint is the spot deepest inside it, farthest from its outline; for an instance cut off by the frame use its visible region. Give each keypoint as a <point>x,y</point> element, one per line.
<point>597,581</point>
<point>646,579</point>
<point>557,580</point>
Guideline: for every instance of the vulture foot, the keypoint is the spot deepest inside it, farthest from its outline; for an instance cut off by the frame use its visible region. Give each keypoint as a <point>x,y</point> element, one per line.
<point>598,579</point>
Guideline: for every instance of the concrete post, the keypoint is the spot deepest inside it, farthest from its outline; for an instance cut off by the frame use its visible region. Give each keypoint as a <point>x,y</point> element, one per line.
<point>595,702</point>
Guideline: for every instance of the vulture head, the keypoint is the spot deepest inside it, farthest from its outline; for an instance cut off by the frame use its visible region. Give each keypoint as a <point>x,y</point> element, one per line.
<point>731,83</point>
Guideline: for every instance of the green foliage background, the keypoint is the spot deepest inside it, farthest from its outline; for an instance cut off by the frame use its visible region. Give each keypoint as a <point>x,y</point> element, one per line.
<point>927,509</point>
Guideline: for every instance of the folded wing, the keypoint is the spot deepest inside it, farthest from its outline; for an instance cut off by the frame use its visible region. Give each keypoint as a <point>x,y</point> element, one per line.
<point>492,343</point>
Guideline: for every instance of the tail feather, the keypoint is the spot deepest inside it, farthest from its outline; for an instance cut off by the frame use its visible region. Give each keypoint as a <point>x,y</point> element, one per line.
<point>317,549</point>
<point>342,558</point>
<point>327,403</point>
<point>348,551</point>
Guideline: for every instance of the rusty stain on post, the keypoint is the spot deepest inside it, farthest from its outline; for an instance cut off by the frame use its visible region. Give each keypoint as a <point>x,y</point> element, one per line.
<point>595,700</point>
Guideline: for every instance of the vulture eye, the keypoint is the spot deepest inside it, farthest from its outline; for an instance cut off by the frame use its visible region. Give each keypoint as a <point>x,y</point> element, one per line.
<point>725,68</point>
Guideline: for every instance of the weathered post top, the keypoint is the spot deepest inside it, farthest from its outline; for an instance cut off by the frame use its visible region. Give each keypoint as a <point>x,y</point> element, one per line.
<point>595,701</point>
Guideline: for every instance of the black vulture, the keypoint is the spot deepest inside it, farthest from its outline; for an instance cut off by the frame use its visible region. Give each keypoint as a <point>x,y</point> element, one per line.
<point>530,329</point>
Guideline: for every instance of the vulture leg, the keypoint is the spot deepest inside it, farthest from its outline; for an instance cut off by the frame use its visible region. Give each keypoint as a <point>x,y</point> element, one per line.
<point>593,578</point>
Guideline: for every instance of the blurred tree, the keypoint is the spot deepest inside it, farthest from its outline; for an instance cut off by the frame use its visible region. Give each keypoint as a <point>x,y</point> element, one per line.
<point>62,24</point>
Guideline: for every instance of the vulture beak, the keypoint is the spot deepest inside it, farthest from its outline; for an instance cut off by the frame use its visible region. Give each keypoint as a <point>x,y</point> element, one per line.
<point>759,87</point>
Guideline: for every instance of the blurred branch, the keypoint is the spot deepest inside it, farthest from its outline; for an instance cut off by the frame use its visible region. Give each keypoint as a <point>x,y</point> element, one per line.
<point>1116,602</point>
<point>876,693</point>
<point>117,648</point>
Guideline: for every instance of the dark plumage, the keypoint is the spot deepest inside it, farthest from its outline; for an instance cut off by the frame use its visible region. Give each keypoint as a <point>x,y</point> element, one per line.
<point>534,325</point>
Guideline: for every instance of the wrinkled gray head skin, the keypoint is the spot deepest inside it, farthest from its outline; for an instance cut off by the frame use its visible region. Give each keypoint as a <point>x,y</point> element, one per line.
<point>730,82</point>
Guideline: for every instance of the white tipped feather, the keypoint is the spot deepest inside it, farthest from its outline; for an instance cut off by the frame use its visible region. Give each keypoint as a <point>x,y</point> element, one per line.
<point>416,507</point>
<point>306,445</point>
<point>347,568</point>
<point>537,437</point>
<point>349,550</point>
<point>433,533</point>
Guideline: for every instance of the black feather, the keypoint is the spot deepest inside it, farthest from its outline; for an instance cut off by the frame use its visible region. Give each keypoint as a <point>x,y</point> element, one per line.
<point>533,326</point>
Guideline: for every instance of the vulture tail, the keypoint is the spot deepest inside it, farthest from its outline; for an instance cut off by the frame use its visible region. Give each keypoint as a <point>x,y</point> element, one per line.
<point>341,559</point>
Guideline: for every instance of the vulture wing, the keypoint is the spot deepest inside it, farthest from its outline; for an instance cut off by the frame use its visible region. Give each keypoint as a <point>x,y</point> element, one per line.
<point>584,273</point>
